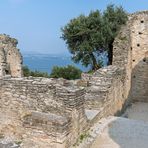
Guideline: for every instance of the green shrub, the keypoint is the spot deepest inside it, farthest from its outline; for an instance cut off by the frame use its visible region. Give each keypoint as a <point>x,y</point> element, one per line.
<point>69,72</point>
<point>39,74</point>
<point>27,72</point>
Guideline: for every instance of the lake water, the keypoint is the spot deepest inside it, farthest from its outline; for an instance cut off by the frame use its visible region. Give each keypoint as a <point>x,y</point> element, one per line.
<point>45,63</point>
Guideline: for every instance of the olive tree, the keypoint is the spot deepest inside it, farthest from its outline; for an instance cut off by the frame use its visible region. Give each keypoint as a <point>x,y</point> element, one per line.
<point>88,36</point>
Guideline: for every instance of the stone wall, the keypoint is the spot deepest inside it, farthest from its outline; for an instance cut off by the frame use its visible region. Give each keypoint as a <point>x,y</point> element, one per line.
<point>139,45</point>
<point>109,87</point>
<point>46,104</point>
<point>57,106</point>
<point>10,57</point>
<point>112,88</point>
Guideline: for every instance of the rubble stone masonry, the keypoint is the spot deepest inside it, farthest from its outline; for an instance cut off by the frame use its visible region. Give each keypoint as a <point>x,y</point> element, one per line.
<point>53,110</point>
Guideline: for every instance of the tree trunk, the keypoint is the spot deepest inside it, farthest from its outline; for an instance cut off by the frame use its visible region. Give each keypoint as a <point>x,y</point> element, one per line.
<point>110,54</point>
<point>95,65</point>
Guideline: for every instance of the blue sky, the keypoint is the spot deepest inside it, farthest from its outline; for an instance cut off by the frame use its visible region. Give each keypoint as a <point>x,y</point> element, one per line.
<point>36,23</point>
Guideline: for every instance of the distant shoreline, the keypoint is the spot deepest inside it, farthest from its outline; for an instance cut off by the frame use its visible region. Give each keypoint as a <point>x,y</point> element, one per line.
<point>45,62</point>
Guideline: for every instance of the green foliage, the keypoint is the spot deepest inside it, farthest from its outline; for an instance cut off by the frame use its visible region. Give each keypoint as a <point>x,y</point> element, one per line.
<point>69,72</point>
<point>86,36</point>
<point>1,136</point>
<point>113,19</point>
<point>18,142</point>
<point>27,72</point>
<point>81,138</point>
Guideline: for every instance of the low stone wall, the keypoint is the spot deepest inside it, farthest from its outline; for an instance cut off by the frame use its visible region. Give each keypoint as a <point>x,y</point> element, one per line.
<point>24,95</point>
<point>105,92</point>
<point>57,127</point>
<point>106,86</point>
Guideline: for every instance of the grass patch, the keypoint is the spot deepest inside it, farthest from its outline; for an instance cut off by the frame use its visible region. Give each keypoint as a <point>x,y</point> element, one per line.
<point>18,142</point>
<point>1,136</point>
<point>81,138</point>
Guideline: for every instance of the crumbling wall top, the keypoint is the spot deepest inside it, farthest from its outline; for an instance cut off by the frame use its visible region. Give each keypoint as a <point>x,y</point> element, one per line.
<point>7,40</point>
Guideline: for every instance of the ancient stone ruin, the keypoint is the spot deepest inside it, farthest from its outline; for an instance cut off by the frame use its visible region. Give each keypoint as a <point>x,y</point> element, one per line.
<point>41,112</point>
<point>10,57</point>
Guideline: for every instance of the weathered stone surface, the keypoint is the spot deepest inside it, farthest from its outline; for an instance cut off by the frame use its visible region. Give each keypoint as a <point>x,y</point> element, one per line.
<point>10,57</point>
<point>112,88</point>
<point>46,112</point>
<point>139,37</point>
<point>52,102</point>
